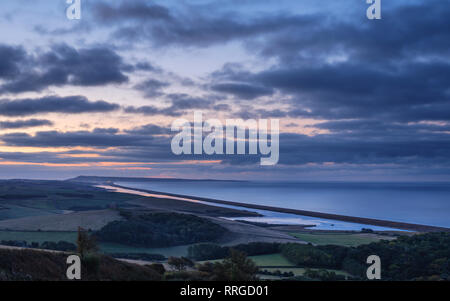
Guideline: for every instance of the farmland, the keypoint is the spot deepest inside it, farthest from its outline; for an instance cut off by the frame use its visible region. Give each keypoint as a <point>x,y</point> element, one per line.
<point>340,239</point>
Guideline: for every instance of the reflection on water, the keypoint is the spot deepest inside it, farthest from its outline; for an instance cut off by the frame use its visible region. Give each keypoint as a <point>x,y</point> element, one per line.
<point>142,193</point>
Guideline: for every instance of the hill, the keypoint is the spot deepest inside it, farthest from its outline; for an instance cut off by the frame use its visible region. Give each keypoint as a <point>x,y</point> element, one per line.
<point>97,179</point>
<point>32,265</point>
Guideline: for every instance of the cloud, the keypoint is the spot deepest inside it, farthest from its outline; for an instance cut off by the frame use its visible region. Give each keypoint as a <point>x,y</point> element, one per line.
<point>62,65</point>
<point>180,104</point>
<point>242,90</point>
<point>404,32</point>
<point>149,129</point>
<point>95,138</point>
<point>18,124</point>
<point>152,111</point>
<point>53,104</point>
<point>152,87</point>
<point>131,9</point>
<point>10,59</point>
<point>162,26</point>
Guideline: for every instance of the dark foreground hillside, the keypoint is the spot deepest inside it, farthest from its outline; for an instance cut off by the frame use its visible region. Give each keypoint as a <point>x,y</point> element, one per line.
<point>20,265</point>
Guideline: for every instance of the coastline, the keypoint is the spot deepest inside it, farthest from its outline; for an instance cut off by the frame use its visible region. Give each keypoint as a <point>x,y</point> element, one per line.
<point>337,217</point>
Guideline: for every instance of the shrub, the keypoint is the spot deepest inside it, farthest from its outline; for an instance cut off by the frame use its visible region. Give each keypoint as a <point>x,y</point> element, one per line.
<point>158,267</point>
<point>91,263</point>
<point>307,255</point>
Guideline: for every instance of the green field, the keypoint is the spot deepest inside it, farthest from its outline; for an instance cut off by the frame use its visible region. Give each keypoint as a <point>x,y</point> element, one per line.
<point>301,271</point>
<point>277,260</point>
<point>13,211</point>
<point>42,236</point>
<point>341,239</point>
<point>269,260</point>
<point>177,251</point>
<point>22,198</point>
<point>38,236</point>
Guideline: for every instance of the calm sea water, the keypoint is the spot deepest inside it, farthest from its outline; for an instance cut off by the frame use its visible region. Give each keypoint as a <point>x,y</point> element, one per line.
<point>421,203</point>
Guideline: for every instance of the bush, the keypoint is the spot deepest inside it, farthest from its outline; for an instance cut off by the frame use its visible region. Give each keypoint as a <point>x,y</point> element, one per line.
<point>307,255</point>
<point>157,267</point>
<point>86,243</point>
<point>258,248</point>
<point>91,262</point>
<point>209,251</point>
<point>237,267</point>
<point>58,246</point>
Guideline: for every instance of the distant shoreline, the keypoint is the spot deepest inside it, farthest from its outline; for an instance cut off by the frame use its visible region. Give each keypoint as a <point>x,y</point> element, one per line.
<point>337,217</point>
<point>90,179</point>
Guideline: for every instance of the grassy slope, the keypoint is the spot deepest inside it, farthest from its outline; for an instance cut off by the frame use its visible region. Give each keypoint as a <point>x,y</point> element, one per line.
<point>31,198</point>
<point>277,260</point>
<point>93,220</point>
<point>37,236</point>
<point>42,236</point>
<point>177,251</point>
<point>37,265</point>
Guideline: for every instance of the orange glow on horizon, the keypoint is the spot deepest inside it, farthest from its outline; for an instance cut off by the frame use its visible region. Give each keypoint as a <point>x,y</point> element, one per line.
<point>126,165</point>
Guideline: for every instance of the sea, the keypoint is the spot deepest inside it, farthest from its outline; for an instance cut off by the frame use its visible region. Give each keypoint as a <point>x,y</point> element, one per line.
<point>419,203</point>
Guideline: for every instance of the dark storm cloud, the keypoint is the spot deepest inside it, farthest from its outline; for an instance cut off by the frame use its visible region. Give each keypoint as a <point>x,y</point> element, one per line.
<point>379,128</point>
<point>405,90</point>
<point>406,30</point>
<point>149,129</point>
<point>395,70</point>
<point>131,10</point>
<point>95,138</point>
<point>18,124</point>
<point>297,149</point>
<point>53,104</point>
<point>10,59</point>
<point>410,92</point>
<point>407,151</point>
<point>62,65</point>
<point>160,25</point>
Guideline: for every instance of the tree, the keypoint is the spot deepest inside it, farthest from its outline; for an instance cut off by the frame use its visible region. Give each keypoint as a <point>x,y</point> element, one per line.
<point>237,267</point>
<point>85,243</point>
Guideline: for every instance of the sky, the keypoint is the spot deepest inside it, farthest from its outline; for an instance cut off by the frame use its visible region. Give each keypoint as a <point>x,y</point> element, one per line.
<point>357,99</point>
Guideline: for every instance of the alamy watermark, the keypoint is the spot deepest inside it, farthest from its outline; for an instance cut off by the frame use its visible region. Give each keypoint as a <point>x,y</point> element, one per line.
<point>374,270</point>
<point>230,139</point>
<point>374,10</point>
<point>74,270</point>
<point>73,11</point>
